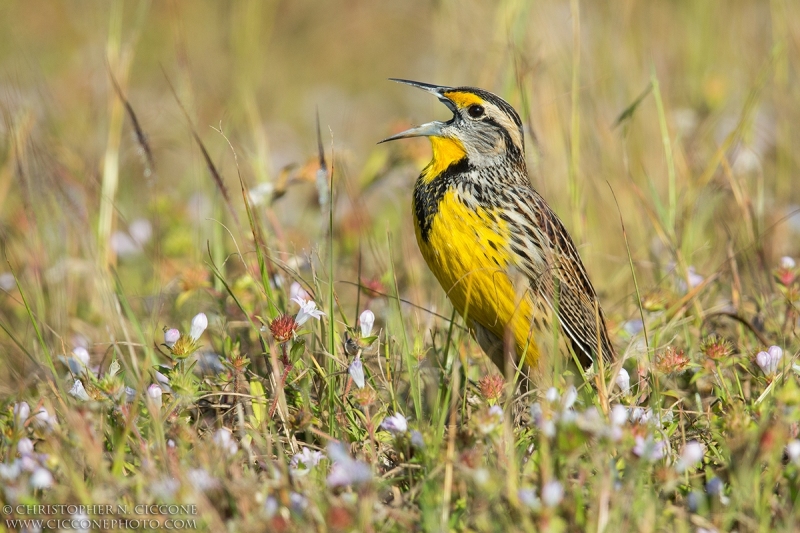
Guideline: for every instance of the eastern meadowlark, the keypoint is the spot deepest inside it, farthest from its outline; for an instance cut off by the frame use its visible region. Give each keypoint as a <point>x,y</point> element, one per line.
<point>505,259</point>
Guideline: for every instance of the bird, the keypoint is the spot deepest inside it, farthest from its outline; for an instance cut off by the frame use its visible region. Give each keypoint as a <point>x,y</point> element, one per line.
<point>502,255</point>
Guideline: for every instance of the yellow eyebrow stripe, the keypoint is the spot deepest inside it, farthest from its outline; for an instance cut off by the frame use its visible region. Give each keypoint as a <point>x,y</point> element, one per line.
<point>464,99</point>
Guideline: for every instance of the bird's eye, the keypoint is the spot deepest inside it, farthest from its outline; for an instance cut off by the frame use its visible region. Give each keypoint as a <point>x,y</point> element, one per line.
<point>475,111</point>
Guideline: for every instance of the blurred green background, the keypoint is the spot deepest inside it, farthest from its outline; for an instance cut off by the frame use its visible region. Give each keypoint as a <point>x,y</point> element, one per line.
<point>706,166</point>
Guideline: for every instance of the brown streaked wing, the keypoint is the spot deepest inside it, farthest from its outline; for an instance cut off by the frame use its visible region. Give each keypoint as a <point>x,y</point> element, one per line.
<point>534,226</point>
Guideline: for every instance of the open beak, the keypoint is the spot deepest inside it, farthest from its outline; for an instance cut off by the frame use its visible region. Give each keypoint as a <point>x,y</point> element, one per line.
<point>430,129</point>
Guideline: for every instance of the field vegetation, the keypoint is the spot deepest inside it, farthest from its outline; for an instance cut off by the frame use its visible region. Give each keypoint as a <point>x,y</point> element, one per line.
<point>211,295</point>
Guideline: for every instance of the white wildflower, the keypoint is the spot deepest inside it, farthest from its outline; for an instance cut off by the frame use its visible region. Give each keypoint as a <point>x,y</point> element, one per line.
<point>303,462</point>
<point>43,420</point>
<point>768,361</point>
<point>123,244</point>
<point>223,438</point>
<point>570,397</point>
<point>201,480</point>
<point>787,262</point>
<point>21,413</point>
<point>297,291</point>
<point>79,392</point>
<point>395,424</point>
<point>199,325</point>
<point>619,415</point>
<point>649,449</point>
<point>7,281</point>
<point>271,506</point>
<point>308,309</point>
<point>346,470</point>
<point>623,381</point>
<point>695,279</point>
<point>81,355</point>
<point>366,321</point>
<point>545,423</point>
<point>171,336</point>
<point>691,455</point>
<point>552,395</point>
<point>41,478</point>
<point>793,451</point>
<point>25,446</point>
<point>357,373</point>
<point>528,498</point>
<point>10,471</point>
<point>298,502</point>
<point>154,393</point>
<point>552,493</point>
<point>141,231</point>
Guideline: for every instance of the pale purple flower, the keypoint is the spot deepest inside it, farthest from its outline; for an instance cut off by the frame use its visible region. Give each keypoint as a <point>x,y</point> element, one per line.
<point>552,395</point>
<point>79,392</point>
<point>787,262</point>
<point>201,480</point>
<point>171,336</point>
<point>346,470</point>
<point>123,244</point>
<point>81,355</point>
<point>154,393</point>
<point>552,493</point>
<point>417,441</point>
<point>354,473</point>
<point>649,449</point>
<point>768,361</point>
<point>303,462</point>
<point>545,423</point>
<point>528,498</point>
<point>7,281</point>
<point>692,454</point>
<point>10,471</point>
<point>298,502</point>
<point>497,411</point>
<point>271,506</point>
<point>308,309</point>
<point>590,421</point>
<point>569,398</point>
<point>623,381</point>
<point>223,438</point>
<point>793,451</point>
<point>199,325</point>
<point>261,193</point>
<point>395,424</point>
<point>489,420</point>
<point>633,327</point>
<point>357,372</point>
<point>366,321</point>
<point>619,415</point>
<point>639,415</point>
<point>29,463</point>
<point>141,231</point>
<point>25,446</point>
<point>297,291</point>
<point>695,279</point>
<point>43,420</point>
<point>21,413</point>
<point>41,478</point>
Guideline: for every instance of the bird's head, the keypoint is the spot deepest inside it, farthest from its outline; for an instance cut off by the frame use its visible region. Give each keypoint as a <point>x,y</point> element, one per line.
<point>484,127</point>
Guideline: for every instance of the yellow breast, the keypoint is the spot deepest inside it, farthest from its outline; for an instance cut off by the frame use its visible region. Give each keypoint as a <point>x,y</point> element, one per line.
<point>466,251</point>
